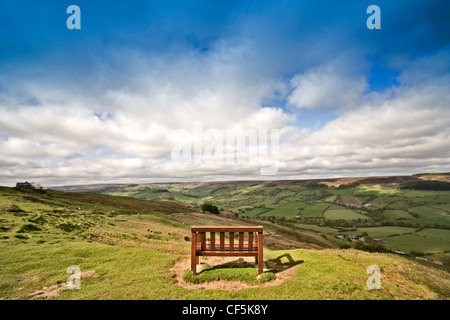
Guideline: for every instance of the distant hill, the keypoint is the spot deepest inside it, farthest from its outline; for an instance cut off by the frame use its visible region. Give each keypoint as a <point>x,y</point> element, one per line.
<point>392,181</point>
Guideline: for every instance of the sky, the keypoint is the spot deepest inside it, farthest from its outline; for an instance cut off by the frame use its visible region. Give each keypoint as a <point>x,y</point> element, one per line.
<point>143,82</point>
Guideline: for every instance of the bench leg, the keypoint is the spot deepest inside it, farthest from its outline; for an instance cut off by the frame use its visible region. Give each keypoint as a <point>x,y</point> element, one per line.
<point>260,264</point>
<point>194,257</point>
<point>260,253</point>
<point>194,265</point>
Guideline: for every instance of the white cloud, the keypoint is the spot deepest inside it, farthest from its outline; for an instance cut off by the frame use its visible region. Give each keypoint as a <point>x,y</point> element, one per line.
<point>335,84</point>
<point>409,129</point>
<point>125,132</point>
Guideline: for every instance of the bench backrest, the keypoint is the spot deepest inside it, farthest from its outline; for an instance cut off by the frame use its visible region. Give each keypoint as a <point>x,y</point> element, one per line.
<point>252,234</point>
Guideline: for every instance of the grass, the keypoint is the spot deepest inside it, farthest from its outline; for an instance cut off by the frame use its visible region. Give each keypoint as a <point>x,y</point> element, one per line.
<point>386,201</point>
<point>314,228</point>
<point>421,193</point>
<point>315,210</point>
<point>441,220</point>
<point>445,207</point>
<point>417,242</point>
<point>346,200</point>
<point>400,205</point>
<point>245,273</point>
<point>385,231</point>
<point>440,234</point>
<point>343,214</point>
<point>326,206</point>
<point>396,214</point>
<point>425,212</point>
<point>255,212</point>
<point>287,210</point>
<point>366,190</point>
<point>427,241</point>
<point>324,274</point>
<point>132,247</point>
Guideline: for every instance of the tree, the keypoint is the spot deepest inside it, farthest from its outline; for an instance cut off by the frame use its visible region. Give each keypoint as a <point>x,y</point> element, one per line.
<point>210,208</point>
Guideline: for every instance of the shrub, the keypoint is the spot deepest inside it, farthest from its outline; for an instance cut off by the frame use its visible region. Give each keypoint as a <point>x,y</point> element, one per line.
<point>210,208</point>
<point>371,247</point>
<point>426,185</point>
<point>316,186</point>
<point>348,186</point>
<point>416,253</point>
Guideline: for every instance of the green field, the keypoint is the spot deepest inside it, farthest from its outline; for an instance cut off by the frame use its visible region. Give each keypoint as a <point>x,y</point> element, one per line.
<point>287,210</point>
<point>396,214</point>
<point>343,214</point>
<point>314,228</point>
<point>444,207</point>
<point>418,242</point>
<point>400,205</point>
<point>385,231</point>
<point>422,194</point>
<point>427,241</point>
<point>315,210</point>
<point>432,221</point>
<point>347,200</point>
<point>439,234</point>
<point>330,199</point>
<point>388,201</point>
<point>367,190</point>
<point>426,212</point>
<point>255,212</point>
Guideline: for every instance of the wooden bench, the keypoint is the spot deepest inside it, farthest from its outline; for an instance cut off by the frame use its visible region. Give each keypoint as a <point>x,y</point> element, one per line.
<point>249,243</point>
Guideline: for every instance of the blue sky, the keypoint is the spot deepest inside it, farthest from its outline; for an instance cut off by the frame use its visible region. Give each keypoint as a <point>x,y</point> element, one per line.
<point>34,35</point>
<point>102,103</point>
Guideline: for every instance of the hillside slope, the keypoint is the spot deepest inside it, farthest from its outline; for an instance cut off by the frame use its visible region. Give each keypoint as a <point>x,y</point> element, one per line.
<point>126,250</point>
<point>405,214</point>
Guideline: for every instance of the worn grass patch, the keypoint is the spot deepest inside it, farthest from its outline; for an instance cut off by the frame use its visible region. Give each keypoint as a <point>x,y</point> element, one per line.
<point>244,273</point>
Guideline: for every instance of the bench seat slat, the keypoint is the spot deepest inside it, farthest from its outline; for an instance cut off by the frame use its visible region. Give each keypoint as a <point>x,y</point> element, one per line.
<point>226,246</point>
<point>228,253</point>
<point>226,229</point>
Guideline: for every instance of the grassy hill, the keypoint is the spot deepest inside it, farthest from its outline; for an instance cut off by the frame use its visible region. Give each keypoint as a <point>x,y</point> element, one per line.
<point>127,247</point>
<point>331,208</point>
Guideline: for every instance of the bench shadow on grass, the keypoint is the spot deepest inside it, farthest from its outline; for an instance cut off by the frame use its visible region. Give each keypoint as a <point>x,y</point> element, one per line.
<point>241,270</point>
<point>278,266</point>
<point>275,265</point>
